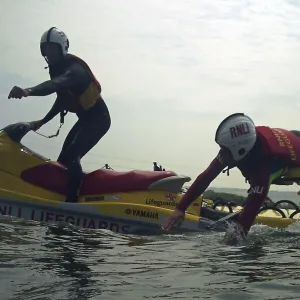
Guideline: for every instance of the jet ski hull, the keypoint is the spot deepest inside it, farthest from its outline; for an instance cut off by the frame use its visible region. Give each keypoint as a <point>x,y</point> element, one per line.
<point>115,216</point>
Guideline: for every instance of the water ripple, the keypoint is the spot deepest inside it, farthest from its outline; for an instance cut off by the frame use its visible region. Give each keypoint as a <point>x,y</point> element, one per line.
<point>55,262</point>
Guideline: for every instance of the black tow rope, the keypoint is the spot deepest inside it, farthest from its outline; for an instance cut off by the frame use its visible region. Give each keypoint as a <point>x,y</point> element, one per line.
<point>62,120</point>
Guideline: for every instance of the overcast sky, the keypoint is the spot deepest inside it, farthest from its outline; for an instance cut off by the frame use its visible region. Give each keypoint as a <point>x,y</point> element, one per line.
<point>170,72</point>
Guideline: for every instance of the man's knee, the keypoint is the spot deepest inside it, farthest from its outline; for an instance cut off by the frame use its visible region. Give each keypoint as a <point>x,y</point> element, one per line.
<point>74,167</point>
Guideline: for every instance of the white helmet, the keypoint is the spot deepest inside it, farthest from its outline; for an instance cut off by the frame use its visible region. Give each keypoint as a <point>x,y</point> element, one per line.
<point>54,35</point>
<point>237,133</point>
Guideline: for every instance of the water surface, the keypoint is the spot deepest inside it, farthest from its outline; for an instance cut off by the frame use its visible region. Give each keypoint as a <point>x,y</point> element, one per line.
<point>50,262</point>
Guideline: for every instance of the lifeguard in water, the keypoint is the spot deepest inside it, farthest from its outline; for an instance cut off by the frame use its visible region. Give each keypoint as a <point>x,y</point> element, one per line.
<point>261,153</point>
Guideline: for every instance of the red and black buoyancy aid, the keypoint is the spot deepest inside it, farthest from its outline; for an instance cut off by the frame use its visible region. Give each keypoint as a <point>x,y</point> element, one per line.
<point>83,101</point>
<point>280,144</point>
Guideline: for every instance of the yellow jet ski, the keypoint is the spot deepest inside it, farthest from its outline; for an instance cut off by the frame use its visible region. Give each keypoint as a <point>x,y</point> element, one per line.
<point>33,187</point>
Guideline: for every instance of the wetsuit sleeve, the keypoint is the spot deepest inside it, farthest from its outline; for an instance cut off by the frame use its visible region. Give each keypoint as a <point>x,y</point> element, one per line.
<point>259,188</point>
<point>201,183</point>
<point>55,110</point>
<point>73,75</point>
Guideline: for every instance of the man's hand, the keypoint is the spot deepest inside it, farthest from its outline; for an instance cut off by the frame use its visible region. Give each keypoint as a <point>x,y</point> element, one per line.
<point>35,125</point>
<point>175,219</point>
<point>18,93</point>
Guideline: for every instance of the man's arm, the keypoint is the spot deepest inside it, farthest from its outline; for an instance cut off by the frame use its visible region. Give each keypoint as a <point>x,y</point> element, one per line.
<point>70,78</point>
<point>201,183</point>
<point>260,184</point>
<point>55,110</point>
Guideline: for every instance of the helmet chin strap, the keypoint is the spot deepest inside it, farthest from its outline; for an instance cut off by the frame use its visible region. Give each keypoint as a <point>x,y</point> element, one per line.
<point>46,62</point>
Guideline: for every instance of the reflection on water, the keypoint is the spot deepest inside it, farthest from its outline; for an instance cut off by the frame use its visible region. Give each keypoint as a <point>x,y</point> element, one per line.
<point>54,262</point>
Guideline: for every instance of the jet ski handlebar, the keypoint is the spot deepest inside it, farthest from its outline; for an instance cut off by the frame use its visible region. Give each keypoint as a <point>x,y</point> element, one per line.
<point>18,130</point>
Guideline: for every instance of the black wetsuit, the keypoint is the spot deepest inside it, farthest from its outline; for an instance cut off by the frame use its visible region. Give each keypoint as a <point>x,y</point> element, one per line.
<point>91,126</point>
